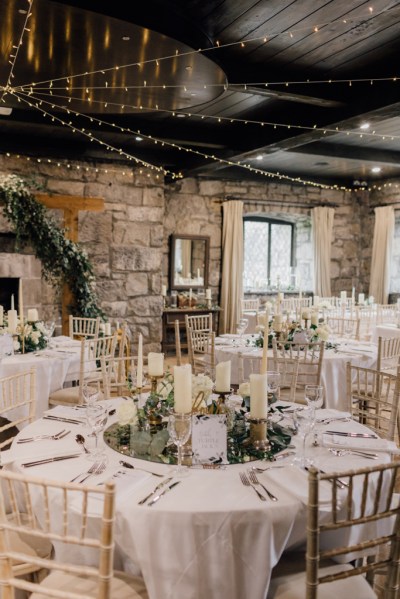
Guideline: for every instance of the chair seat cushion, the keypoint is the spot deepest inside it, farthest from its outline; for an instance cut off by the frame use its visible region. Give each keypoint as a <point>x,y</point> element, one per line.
<point>123,586</point>
<point>29,544</point>
<point>292,584</point>
<point>8,433</point>
<point>69,395</point>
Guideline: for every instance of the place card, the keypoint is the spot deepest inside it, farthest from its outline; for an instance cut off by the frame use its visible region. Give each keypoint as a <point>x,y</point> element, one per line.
<point>209,439</point>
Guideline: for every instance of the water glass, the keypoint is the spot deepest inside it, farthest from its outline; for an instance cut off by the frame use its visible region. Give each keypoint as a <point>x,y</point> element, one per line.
<point>96,416</point>
<point>179,428</point>
<point>304,426</point>
<point>91,392</point>
<point>314,396</point>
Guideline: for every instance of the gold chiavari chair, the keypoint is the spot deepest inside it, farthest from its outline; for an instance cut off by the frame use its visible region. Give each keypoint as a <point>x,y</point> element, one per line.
<point>201,350</point>
<point>388,354</point>
<point>250,305</point>
<point>66,511</point>
<point>83,328</point>
<point>360,507</point>
<point>347,328</point>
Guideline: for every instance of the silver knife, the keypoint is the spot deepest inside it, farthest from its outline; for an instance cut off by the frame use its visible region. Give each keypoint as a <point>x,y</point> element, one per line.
<point>61,419</point>
<point>157,497</point>
<point>48,460</point>
<point>280,456</point>
<point>357,435</point>
<point>159,486</point>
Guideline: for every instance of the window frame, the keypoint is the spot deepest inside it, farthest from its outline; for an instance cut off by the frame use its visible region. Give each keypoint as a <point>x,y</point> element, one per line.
<point>272,221</point>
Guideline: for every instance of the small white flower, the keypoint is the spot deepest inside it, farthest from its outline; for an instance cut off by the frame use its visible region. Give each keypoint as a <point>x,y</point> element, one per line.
<point>127,413</point>
<point>244,389</point>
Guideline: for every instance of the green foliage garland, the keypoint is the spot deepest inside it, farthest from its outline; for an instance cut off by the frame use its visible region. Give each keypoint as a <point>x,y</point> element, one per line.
<point>62,260</point>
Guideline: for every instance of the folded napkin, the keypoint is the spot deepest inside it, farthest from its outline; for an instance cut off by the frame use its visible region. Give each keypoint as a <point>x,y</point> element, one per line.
<point>363,444</point>
<point>295,481</point>
<point>326,414</point>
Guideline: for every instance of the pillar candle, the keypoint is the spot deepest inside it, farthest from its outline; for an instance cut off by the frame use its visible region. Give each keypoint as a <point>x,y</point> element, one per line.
<point>223,377</point>
<point>190,297</point>
<point>361,298</point>
<point>343,295</point>
<point>21,302</point>
<point>12,321</point>
<point>12,302</point>
<point>198,273</point>
<point>163,290</point>
<point>278,323</point>
<point>32,315</point>
<point>208,294</point>
<point>183,389</point>
<point>314,318</point>
<point>1,316</point>
<point>316,300</point>
<point>107,329</point>
<point>264,360</point>
<point>156,364</point>
<point>258,395</point>
<point>139,374</point>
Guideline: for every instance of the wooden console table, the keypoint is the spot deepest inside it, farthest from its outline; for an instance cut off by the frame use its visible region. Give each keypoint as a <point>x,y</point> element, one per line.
<point>172,314</point>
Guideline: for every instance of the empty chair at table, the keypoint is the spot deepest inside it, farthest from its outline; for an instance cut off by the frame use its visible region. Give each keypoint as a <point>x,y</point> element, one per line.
<point>92,350</point>
<point>345,327</point>
<point>339,531</point>
<point>288,369</point>
<point>81,327</point>
<point>119,375</point>
<point>201,350</point>
<point>309,355</point>
<point>80,520</point>
<point>386,313</point>
<point>250,305</point>
<point>373,397</point>
<point>388,354</point>
<point>368,321</point>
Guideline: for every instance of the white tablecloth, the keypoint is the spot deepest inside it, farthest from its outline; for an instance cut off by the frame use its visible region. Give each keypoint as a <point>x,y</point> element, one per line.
<point>210,536</point>
<point>385,330</point>
<point>333,374</point>
<point>54,367</point>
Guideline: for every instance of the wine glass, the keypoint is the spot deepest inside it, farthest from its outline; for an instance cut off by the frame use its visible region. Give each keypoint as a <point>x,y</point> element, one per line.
<point>96,416</point>
<point>179,428</point>
<point>91,392</point>
<point>49,327</point>
<point>314,395</point>
<point>303,424</point>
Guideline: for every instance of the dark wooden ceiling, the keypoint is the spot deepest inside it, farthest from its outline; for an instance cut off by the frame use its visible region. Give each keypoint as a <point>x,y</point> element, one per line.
<point>280,86</point>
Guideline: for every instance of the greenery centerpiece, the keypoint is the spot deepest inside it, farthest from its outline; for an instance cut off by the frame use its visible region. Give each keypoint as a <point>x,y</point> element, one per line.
<point>62,259</point>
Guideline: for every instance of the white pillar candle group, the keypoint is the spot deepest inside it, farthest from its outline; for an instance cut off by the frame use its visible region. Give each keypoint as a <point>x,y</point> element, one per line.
<point>258,396</point>
<point>155,364</point>
<point>139,372</point>
<point>223,377</point>
<point>183,389</point>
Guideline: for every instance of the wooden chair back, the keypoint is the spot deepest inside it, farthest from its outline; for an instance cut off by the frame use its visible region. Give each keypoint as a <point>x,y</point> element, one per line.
<point>201,350</point>
<point>83,328</point>
<point>250,305</point>
<point>373,397</point>
<point>388,353</point>
<point>347,512</point>
<point>288,368</point>
<point>386,313</point>
<point>18,402</point>
<point>199,322</point>
<point>309,355</point>
<point>118,375</point>
<point>123,340</point>
<point>65,519</point>
<point>348,328</point>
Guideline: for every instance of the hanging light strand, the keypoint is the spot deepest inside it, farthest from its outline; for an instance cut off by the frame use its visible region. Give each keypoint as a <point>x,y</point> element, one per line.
<point>14,52</point>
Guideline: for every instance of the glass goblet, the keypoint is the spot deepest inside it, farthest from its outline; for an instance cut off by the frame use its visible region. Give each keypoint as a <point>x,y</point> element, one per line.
<point>96,416</point>
<point>91,392</point>
<point>304,425</point>
<point>179,428</point>
<point>314,396</point>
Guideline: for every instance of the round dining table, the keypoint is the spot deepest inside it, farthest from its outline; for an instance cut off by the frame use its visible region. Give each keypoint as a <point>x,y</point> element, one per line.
<point>333,371</point>
<point>208,536</point>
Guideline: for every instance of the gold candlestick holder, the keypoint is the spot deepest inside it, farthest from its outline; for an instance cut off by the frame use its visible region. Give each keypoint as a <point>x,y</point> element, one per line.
<point>258,434</point>
<point>154,418</point>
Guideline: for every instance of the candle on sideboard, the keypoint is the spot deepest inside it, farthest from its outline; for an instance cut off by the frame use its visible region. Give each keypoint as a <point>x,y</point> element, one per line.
<point>258,396</point>
<point>183,389</point>
<point>139,373</point>
<point>208,294</point>
<point>343,295</point>
<point>361,298</point>
<point>190,297</point>
<point>155,364</point>
<point>21,302</point>
<point>107,329</point>
<point>223,377</point>
<point>102,327</point>
<point>198,273</point>
<point>163,290</point>
<point>12,319</point>
<point>278,323</point>
<point>1,316</point>
<point>32,315</point>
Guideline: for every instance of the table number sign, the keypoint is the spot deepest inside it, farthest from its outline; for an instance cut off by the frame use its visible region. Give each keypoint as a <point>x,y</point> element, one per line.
<point>209,439</point>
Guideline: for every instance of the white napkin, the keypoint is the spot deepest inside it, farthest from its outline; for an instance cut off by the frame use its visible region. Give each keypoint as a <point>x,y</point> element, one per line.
<point>326,414</point>
<point>295,481</point>
<point>67,412</point>
<point>364,444</point>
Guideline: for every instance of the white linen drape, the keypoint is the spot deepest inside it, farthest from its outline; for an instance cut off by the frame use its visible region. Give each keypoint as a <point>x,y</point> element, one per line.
<point>322,226</point>
<point>381,254</point>
<point>232,266</point>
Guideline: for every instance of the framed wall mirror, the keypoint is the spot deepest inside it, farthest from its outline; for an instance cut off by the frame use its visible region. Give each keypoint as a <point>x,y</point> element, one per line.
<point>189,261</point>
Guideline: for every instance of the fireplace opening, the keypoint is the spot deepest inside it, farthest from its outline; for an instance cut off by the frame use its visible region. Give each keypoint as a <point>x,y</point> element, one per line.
<point>9,287</point>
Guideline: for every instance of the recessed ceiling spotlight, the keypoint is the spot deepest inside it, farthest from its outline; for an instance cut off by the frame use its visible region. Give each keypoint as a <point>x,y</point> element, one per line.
<point>364,126</point>
<point>126,38</point>
<point>376,169</point>
<point>138,138</point>
<point>259,157</point>
<point>181,115</point>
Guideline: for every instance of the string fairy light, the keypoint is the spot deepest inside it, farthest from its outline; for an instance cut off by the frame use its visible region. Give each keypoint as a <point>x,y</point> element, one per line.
<point>219,118</point>
<point>14,53</point>
<point>217,46</point>
<point>223,161</point>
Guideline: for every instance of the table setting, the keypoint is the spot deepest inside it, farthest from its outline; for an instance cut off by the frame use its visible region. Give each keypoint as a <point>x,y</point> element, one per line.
<point>212,501</point>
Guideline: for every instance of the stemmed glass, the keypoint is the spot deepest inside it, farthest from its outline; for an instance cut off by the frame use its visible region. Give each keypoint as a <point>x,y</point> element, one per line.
<point>179,428</point>
<point>304,425</point>
<point>96,415</point>
<point>273,384</point>
<point>91,392</point>
<point>314,395</point>
<point>49,327</point>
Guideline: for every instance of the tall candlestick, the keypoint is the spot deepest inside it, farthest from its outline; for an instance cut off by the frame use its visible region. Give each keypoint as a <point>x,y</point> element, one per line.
<point>1,316</point>
<point>107,329</point>
<point>183,389</point>
<point>258,395</point>
<point>12,320</point>
<point>139,374</point>
<point>12,302</point>
<point>21,303</point>
<point>208,294</point>
<point>190,297</point>
<point>156,364</point>
<point>223,377</point>
<point>264,359</point>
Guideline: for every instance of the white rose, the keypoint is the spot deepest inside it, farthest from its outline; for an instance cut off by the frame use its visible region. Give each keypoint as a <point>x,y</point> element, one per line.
<point>201,383</point>
<point>127,413</point>
<point>244,389</point>
<point>323,333</point>
<point>35,336</point>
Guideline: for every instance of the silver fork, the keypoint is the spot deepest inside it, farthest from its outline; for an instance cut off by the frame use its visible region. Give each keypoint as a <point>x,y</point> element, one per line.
<point>89,471</point>
<point>99,470</point>
<point>247,483</point>
<point>255,481</point>
<point>56,436</point>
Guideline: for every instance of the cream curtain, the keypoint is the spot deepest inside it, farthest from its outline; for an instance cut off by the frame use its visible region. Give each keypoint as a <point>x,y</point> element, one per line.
<point>232,266</point>
<point>381,254</point>
<point>322,226</point>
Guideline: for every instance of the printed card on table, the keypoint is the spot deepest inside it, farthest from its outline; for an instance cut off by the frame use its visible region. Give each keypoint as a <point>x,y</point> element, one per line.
<point>209,439</point>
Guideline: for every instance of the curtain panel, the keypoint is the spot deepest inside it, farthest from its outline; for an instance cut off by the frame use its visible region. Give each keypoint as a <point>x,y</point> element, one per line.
<point>382,254</point>
<point>322,227</point>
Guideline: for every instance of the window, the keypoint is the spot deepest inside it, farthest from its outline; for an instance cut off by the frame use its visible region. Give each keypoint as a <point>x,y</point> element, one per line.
<point>268,254</point>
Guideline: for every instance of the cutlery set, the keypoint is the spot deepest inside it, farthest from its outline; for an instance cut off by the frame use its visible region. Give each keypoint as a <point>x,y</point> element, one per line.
<point>63,419</point>
<point>54,437</point>
<point>252,481</point>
